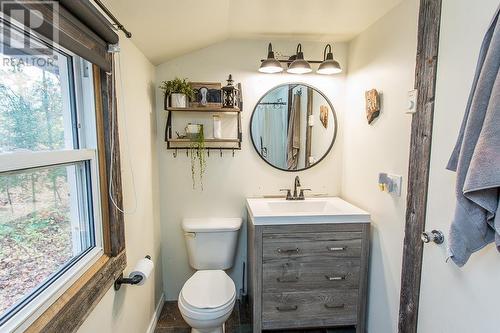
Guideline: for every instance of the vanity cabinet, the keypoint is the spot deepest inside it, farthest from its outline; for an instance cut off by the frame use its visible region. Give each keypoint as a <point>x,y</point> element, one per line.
<point>308,276</point>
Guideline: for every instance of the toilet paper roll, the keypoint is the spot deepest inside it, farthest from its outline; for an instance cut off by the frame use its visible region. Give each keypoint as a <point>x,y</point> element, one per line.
<point>144,267</point>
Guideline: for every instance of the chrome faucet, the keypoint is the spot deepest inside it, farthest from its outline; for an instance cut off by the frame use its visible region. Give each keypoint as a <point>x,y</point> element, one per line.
<point>296,184</point>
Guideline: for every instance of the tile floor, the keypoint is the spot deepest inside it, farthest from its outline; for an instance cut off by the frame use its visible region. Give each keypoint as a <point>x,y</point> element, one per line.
<point>171,321</point>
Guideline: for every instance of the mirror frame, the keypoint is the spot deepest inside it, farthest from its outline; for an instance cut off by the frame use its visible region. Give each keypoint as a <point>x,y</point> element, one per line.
<point>334,118</point>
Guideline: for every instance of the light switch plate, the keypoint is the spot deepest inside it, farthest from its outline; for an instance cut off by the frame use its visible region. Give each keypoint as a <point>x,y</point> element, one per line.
<point>412,101</point>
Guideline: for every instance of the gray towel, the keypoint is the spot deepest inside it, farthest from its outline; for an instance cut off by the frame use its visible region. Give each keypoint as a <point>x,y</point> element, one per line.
<point>476,158</point>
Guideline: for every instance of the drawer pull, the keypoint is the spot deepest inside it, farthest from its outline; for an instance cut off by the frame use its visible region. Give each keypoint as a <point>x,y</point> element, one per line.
<point>286,251</point>
<point>285,308</point>
<point>336,249</point>
<point>288,279</point>
<point>334,306</point>
<point>335,278</point>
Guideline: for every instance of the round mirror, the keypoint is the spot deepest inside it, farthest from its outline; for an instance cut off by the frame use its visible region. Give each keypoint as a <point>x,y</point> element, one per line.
<point>293,127</point>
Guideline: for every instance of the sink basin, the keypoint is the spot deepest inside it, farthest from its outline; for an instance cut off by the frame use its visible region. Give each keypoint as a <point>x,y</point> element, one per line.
<point>287,207</point>
<point>263,211</point>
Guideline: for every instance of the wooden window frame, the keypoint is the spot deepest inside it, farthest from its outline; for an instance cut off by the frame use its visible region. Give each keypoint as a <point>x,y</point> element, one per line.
<point>70,310</point>
<point>419,162</point>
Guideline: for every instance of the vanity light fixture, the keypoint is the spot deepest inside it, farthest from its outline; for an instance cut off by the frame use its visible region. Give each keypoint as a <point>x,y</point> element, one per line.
<point>270,65</point>
<point>329,65</point>
<point>299,65</point>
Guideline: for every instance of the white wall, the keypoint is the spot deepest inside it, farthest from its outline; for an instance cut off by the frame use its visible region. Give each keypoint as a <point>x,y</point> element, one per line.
<point>382,57</point>
<point>456,299</point>
<point>229,180</point>
<point>131,308</point>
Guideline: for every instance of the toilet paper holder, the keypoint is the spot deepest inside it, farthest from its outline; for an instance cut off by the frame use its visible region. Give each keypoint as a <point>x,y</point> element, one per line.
<point>136,279</point>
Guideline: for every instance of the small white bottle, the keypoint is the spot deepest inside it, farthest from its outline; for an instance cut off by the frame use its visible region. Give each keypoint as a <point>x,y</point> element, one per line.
<point>217,126</point>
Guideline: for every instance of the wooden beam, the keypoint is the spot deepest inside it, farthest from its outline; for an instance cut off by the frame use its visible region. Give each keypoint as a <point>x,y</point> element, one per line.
<point>101,147</point>
<point>112,155</point>
<point>419,162</point>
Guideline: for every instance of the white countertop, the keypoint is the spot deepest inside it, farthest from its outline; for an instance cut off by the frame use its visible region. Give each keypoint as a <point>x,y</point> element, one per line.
<point>265,211</point>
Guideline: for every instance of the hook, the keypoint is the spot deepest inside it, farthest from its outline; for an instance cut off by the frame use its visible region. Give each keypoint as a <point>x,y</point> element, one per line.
<point>208,152</point>
<point>221,153</point>
<point>233,152</point>
<point>187,152</point>
<point>175,153</point>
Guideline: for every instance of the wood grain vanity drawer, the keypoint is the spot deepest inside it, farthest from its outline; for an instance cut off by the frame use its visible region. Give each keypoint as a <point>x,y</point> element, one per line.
<point>309,309</point>
<point>320,245</point>
<point>300,274</point>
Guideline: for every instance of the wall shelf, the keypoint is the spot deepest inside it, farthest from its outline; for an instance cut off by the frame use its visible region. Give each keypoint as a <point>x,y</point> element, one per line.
<point>212,143</point>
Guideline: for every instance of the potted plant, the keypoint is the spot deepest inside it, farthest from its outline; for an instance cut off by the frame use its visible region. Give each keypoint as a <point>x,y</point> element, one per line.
<point>197,152</point>
<point>179,91</point>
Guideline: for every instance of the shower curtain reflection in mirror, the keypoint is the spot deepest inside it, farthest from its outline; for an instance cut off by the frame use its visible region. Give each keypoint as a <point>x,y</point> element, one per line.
<point>271,125</point>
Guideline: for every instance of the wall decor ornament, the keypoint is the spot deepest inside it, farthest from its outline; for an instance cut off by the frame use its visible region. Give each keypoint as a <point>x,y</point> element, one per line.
<point>231,94</point>
<point>372,105</point>
<point>206,94</point>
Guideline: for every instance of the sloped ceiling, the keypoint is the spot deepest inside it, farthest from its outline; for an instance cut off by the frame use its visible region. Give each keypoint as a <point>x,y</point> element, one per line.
<point>165,29</point>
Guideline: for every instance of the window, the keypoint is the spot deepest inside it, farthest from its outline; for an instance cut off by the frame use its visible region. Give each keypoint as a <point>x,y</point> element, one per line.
<point>50,214</point>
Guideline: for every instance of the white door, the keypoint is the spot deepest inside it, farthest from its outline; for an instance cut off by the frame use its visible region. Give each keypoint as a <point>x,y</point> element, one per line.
<point>452,299</point>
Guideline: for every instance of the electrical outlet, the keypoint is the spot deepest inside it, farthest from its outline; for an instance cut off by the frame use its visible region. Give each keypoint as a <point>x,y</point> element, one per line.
<point>396,182</point>
<point>390,183</point>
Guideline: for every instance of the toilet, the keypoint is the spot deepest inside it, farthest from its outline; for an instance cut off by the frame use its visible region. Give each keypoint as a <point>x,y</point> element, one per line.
<point>207,298</point>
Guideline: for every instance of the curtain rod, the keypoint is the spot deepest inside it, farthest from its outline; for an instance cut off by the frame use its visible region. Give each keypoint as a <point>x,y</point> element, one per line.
<point>117,23</point>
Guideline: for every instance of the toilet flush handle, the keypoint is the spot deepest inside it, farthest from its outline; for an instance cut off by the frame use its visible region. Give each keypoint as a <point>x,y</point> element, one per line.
<point>190,234</point>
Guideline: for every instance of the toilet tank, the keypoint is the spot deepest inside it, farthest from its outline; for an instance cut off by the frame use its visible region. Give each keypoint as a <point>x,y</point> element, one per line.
<point>211,242</point>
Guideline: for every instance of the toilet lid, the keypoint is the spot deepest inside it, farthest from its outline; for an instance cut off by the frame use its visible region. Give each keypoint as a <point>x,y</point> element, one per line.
<point>208,289</point>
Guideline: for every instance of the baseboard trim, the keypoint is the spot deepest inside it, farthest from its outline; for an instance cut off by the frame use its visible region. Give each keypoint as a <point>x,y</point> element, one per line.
<point>156,314</point>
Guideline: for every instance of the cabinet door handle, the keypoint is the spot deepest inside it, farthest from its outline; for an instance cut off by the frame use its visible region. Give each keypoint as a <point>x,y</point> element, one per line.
<point>334,278</point>
<point>285,308</point>
<point>286,251</point>
<point>288,279</point>
<point>336,248</point>
<point>334,306</point>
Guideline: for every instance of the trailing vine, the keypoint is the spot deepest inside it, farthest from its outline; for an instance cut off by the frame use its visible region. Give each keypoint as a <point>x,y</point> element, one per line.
<point>198,157</point>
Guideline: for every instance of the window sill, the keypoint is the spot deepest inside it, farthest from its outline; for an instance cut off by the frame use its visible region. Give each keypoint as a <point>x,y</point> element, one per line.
<point>69,311</point>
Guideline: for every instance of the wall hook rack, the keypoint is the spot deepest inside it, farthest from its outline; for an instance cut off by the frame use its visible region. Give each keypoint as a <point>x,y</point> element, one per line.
<point>175,153</point>
<point>136,279</point>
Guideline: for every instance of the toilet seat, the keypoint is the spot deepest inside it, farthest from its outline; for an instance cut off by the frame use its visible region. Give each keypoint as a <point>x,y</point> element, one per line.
<point>207,295</point>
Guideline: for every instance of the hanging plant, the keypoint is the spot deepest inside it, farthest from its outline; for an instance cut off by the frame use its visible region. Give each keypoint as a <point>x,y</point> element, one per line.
<point>198,157</point>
